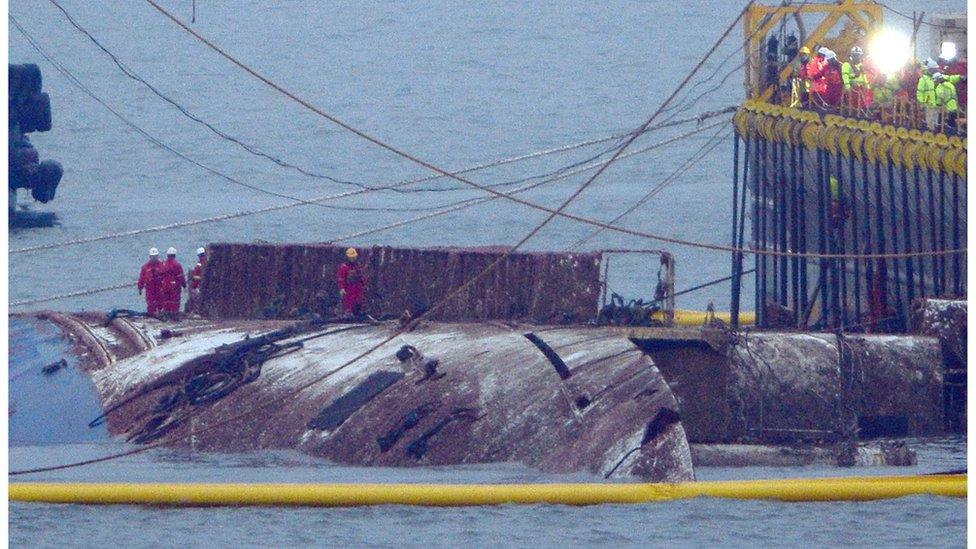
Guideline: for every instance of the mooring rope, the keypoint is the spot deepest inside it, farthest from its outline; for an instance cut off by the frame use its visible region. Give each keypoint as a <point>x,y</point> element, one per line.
<point>380,143</point>
<point>435,307</point>
<point>453,208</point>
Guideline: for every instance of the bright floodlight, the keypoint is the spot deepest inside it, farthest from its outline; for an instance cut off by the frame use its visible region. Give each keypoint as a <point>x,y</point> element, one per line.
<point>890,50</point>
<point>948,50</point>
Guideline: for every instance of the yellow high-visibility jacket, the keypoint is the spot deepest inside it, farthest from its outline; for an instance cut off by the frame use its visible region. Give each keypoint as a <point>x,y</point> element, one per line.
<point>853,75</point>
<point>945,96</point>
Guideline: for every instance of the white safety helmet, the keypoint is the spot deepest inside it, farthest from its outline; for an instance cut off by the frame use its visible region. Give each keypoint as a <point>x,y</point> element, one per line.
<point>153,252</point>
<point>201,251</point>
<point>930,63</point>
<point>171,251</point>
<point>823,50</point>
<point>938,76</point>
<point>830,54</point>
<point>856,50</point>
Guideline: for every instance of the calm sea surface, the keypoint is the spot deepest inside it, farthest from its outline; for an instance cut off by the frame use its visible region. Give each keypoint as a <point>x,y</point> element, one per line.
<point>456,83</point>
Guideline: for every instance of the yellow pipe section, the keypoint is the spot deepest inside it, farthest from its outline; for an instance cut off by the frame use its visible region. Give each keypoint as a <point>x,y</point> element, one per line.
<point>451,495</point>
<point>687,317</point>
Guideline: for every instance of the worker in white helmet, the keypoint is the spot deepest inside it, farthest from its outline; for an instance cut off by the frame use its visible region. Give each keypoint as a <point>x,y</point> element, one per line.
<point>150,281</point>
<point>196,278</point>
<point>352,284</point>
<point>173,282</point>
<point>857,85</point>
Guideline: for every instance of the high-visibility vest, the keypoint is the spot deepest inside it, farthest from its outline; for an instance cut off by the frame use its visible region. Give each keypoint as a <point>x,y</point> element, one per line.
<point>886,90</point>
<point>853,75</point>
<point>945,96</point>
<point>926,91</point>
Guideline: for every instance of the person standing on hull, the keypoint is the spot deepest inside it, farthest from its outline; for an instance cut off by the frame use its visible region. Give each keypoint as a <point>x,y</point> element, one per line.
<point>173,282</point>
<point>196,278</point>
<point>149,280</point>
<point>352,284</point>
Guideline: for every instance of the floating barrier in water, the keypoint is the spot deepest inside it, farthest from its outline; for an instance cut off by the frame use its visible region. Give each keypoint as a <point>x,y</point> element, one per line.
<point>451,495</point>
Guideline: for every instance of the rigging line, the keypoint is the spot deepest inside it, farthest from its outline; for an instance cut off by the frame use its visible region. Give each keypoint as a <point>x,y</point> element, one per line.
<point>269,209</point>
<point>683,106</point>
<point>408,221</point>
<point>578,218</point>
<point>380,143</point>
<point>72,294</point>
<point>414,323</point>
<point>906,16</point>
<point>74,80</point>
<point>250,148</point>
<point>71,78</point>
<point>698,155</point>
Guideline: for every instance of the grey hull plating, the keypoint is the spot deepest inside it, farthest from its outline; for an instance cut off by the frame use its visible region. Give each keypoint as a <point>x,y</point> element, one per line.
<point>565,400</point>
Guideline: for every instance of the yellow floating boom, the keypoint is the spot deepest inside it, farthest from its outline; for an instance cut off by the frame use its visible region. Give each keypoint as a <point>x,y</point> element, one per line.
<point>687,317</point>
<point>450,495</point>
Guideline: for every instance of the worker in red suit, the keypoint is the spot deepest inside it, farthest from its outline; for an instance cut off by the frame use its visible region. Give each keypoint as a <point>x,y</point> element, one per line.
<point>149,281</point>
<point>352,283</point>
<point>826,80</point>
<point>173,282</point>
<point>957,67</point>
<point>196,279</point>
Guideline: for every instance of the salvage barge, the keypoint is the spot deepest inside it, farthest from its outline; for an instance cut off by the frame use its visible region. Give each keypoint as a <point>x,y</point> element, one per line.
<point>489,385</point>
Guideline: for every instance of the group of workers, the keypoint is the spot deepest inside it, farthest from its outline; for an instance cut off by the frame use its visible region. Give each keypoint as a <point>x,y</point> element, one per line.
<point>857,86</point>
<point>164,281</point>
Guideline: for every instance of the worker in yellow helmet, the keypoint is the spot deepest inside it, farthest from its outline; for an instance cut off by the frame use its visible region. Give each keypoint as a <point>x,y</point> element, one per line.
<point>352,284</point>
<point>800,95</point>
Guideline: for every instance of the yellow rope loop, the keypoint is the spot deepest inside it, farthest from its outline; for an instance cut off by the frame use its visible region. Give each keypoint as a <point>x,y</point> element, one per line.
<point>857,145</point>
<point>942,139</point>
<point>767,128</point>
<point>871,147</point>
<point>876,128</point>
<point>928,137</point>
<point>882,147</point>
<point>921,152</point>
<point>948,159</point>
<point>956,142</point>
<point>908,149</point>
<point>864,126</point>
<point>915,135</point>
<point>784,130</point>
<point>934,159</point>
<point>796,129</point>
<point>894,155</point>
<point>741,120</point>
<point>961,164</point>
<point>844,141</point>
<point>811,136</point>
<point>832,120</point>
<point>828,139</point>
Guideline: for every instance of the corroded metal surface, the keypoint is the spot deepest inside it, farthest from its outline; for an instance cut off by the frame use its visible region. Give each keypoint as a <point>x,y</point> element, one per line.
<point>795,387</point>
<point>287,281</point>
<point>494,396</point>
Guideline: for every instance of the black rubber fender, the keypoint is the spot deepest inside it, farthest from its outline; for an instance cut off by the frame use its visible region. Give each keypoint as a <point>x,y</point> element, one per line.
<point>41,112</point>
<point>46,180</point>
<point>30,80</point>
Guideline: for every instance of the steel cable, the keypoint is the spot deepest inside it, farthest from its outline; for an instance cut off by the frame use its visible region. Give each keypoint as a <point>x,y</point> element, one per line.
<point>415,322</point>
<point>380,143</point>
<point>453,208</point>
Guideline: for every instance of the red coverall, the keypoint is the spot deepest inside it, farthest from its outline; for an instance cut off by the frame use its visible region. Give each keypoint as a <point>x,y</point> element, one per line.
<point>197,275</point>
<point>352,281</point>
<point>826,81</point>
<point>959,67</point>
<point>173,281</point>
<point>149,280</point>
